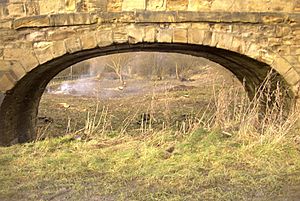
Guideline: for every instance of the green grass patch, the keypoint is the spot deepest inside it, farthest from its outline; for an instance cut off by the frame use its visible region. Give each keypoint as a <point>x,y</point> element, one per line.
<point>200,165</point>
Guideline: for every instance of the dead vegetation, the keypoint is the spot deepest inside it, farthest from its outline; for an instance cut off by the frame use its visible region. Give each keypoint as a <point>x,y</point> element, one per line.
<point>201,140</point>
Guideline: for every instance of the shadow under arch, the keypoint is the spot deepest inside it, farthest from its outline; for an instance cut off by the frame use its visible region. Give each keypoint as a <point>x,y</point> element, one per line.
<point>19,108</point>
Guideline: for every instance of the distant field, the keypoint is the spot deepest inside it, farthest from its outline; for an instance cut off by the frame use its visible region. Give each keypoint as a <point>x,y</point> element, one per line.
<point>155,104</point>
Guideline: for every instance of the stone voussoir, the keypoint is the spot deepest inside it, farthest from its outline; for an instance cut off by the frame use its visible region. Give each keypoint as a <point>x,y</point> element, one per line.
<point>104,38</point>
<point>73,44</point>
<point>6,82</point>
<point>43,51</point>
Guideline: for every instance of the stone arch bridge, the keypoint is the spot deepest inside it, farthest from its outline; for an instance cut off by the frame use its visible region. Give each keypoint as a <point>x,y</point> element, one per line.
<point>40,38</point>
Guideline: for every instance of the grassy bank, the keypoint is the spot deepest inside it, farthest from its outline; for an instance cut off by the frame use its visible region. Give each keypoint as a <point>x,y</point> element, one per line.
<point>199,143</point>
<point>200,165</point>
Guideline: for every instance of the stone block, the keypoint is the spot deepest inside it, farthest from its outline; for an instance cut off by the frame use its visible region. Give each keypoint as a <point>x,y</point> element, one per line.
<point>131,5</point>
<point>274,41</point>
<point>19,45</point>
<point>82,6</point>
<point>58,48</point>
<point>114,17</point>
<point>164,35</point>
<point>266,57</point>
<point>185,26</point>
<point>120,35</point>
<point>225,41</point>
<point>155,17</point>
<point>268,30</point>
<point>6,24</point>
<point>176,5</point>
<point>292,60</point>
<point>150,34</point>
<point>62,19</point>
<point>195,36</point>
<point>14,67</point>
<point>199,5</point>
<point>222,5</point>
<point>6,82</point>
<point>73,44</point>
<point>201,26</point>
<point>70,5</point>
<point>180,36</point>
<point>88,40</point>
<point>98,5</point>
<point>223,28</point>
<point>36,36</point>
<point>157,5</point>
<point>215,38</point>
<point>47,7</point>
<point>135,34</point>
<point>295,50</point>
<point>207,38</point>
<point>8,36</point>
<point>3,10</point>
<point>43,51</point>
<point>72,19</point>
<point>292,77</point>
<point>25,56</point>
<point>60,34</point>
<point>104,38</point>
<point>34,21</point>
<point>239,45</point>
<point>273,19</point>
<point>281,65</point>
<point>16,9</point>
<point>253,51</point>
<point>32,8</point>
<point>84,18</point>
<point>114,5</point>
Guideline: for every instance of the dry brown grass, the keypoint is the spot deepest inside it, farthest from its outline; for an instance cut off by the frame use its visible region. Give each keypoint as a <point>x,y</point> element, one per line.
<point>221,149</point>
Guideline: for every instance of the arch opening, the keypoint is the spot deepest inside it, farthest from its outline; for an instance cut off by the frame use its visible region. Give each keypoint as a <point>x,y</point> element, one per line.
<point>20,105</point>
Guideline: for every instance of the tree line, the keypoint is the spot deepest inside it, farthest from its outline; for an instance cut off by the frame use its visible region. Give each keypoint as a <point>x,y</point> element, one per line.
<point>144,65</point>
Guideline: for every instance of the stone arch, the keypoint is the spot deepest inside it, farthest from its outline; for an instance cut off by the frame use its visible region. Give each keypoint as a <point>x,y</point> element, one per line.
<point>41,63</point>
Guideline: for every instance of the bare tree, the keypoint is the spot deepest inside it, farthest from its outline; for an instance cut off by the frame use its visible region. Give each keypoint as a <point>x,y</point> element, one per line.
<point>118,63</point>
<point>184,65</point>
<point>153,65</point>
<point>97,66</point>
<point>157,68</point>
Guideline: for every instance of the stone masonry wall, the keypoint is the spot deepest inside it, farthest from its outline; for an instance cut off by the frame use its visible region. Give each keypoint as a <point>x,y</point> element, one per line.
<point>26,24</point>
<point>26,42</point>
<point>20,8</point>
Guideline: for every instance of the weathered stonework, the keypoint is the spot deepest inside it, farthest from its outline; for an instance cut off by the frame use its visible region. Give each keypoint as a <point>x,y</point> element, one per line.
<point>58,49</point>
<point>164,35</point>
<point>40,38</point>
<point>6,81</point>
<point>47,7</point>
<point>157,5</point>
<point>180,36</point>
<point>88,40</point>
<point>104,38</point>
<point>43,51</point>
<point>177,5</point>
<point>41,7</point>
<point>114,5</point>
<point>17,9</point>
<point>37,21</point>
<point>197,5</point>
<point>73,44</point>
<point>129,5</point>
